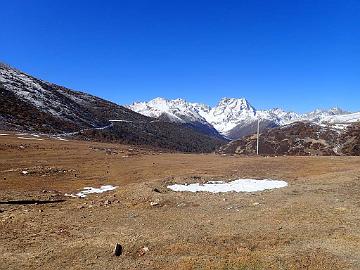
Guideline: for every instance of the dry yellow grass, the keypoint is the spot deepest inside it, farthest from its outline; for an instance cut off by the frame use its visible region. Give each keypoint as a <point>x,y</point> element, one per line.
<point>311,224</point>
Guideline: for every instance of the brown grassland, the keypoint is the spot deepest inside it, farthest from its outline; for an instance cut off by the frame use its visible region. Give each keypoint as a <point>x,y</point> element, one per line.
<point>314,223</point>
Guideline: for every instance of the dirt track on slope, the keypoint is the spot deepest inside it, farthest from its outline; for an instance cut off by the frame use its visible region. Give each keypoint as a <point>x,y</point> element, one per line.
<point>314,223</point>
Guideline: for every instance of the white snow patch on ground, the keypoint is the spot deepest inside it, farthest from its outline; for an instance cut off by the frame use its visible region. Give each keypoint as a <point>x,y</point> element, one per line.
<point>25,138</point>
<point>119,120</point>
<point>89,190</point>
<point>240,185</point>
<point>60,139</point>
<point>27,134</point>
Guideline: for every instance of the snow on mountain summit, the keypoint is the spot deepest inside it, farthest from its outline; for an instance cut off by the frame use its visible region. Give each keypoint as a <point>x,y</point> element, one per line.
<point>177,110</point>
<point>232,117</point>
<point>222,116</point>
<point>226,115</point>
<point>229,112</point>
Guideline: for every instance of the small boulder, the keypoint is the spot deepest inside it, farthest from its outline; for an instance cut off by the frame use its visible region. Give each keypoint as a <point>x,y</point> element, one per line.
<point>143,251</point>
<point>154,203</point>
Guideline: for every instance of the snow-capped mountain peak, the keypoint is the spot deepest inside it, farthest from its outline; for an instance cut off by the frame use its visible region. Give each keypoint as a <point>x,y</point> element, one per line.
<point>229,112</point>
<point>235,103</point>
<point>337,111</point>
<point>233,107</point>
<point>177,110</point>
<point>232,117</point>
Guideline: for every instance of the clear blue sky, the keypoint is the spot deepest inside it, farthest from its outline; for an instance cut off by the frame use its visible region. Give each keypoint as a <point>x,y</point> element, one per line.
<point>295,54</point>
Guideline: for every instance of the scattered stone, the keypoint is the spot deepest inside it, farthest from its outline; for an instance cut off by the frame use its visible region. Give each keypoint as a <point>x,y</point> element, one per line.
<point>157,190</point>
<point>80,207</point>
<point>24,172</point>
<point>154,203</point>
<point>181,205</point>
<point>132,215</point>
<point>255,203</point>
<point>107,202</point>
<point>118,250</point>
<point>40,211</point>
<point>143,251</point>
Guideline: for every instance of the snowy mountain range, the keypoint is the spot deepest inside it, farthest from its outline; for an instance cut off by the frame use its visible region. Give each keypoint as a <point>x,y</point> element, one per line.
<point>29,104</point>
<point>236,117</point>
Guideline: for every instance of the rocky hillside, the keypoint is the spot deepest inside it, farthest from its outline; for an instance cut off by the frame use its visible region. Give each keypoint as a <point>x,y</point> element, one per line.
<point>300,138</point>
<point>350,140</point>
<point>28,103</point>
<point>159,134</point>
<point>31,104</point>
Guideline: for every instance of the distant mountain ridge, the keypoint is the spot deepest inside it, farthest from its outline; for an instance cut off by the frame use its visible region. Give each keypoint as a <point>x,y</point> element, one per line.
<point>235,117</point>
<point>34,105</point>
<point>299,139</point>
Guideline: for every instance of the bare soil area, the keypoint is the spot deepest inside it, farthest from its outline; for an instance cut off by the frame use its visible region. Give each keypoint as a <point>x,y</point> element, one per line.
<point>314,223</point>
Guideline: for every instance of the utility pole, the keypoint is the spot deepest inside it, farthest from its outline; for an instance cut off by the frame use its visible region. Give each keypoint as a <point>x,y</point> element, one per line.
<point>258,133</point>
